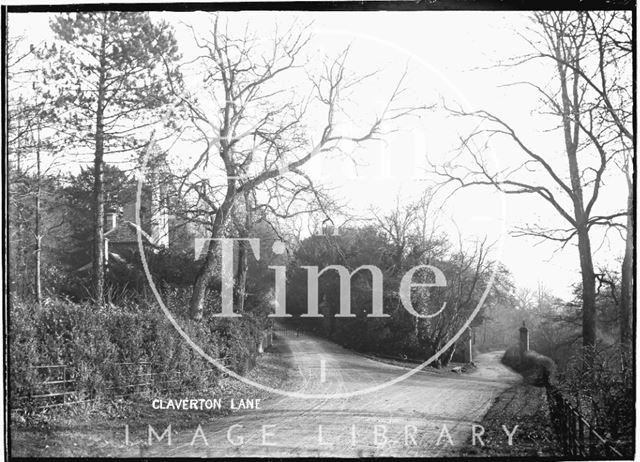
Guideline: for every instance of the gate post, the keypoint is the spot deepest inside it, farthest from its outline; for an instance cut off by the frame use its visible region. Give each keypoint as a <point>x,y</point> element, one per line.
<point>524,339</point>
<point>469,349</point>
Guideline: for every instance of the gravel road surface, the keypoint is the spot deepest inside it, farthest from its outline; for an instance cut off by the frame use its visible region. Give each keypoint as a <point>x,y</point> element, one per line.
<point>405,419</point>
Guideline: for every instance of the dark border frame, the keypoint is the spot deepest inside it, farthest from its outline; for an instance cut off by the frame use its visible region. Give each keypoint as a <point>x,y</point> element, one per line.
<point>346,6</point>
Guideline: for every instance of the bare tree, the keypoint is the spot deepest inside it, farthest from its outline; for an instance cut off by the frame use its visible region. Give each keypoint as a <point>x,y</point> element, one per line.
<point>30,113</point>
<point>412,229</point>
<point>612,34</point>
<point>257,126</point>
<point>591,144</point>
<point>415,238</point>
<point>609,37</point>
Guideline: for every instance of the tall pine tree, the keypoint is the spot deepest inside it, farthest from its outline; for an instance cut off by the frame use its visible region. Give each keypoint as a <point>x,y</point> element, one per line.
<point>110,75</point>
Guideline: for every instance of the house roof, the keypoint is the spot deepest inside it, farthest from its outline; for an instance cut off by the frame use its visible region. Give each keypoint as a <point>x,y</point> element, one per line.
<point>126,233</point>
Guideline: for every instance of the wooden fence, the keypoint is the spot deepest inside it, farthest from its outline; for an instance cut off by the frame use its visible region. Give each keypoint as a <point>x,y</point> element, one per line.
<point>58,384</point>
<point>575,435</point>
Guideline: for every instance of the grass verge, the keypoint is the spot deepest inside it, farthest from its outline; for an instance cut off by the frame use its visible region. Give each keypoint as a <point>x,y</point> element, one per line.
<point>523,405</point>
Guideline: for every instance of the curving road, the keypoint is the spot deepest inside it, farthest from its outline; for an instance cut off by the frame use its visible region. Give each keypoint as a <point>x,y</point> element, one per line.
<point>405,419</point>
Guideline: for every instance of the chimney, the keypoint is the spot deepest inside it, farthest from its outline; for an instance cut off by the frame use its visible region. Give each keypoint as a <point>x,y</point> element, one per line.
<point>111,218</point>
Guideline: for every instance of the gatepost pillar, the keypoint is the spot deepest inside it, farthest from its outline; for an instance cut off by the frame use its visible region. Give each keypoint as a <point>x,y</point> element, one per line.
<point>524,339</point>
<point>469,349</point>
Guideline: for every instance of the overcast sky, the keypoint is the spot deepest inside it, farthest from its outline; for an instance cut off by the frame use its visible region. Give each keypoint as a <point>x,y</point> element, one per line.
<point>448,55</point>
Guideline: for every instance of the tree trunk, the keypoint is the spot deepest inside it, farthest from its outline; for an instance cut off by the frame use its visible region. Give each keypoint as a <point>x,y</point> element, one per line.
<point>38,279</point>
<point>571,135</point>
<point>198,297</point>
<point>627,313</point>
<point>240,287</point>
<point>588,292</point>
<point>98,185</point>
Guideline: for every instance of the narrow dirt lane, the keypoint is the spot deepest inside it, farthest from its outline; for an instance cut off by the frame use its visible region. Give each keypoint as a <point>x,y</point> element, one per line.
<point>405,419</point>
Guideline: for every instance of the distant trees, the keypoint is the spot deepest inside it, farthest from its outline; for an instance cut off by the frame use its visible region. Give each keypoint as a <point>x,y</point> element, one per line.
<point>109,81</point>
<point>33,149</point>
<point>37,231</point>
<point>398,241</point>
<point>586,91</point>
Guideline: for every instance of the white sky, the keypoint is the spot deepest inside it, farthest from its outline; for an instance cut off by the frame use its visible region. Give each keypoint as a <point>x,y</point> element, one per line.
<point>443,51</point>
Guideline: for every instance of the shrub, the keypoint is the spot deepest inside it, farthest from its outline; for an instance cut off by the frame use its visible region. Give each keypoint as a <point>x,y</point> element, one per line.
<point>534,366</point>
<point>108,347</point>
<point>604,392</point>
